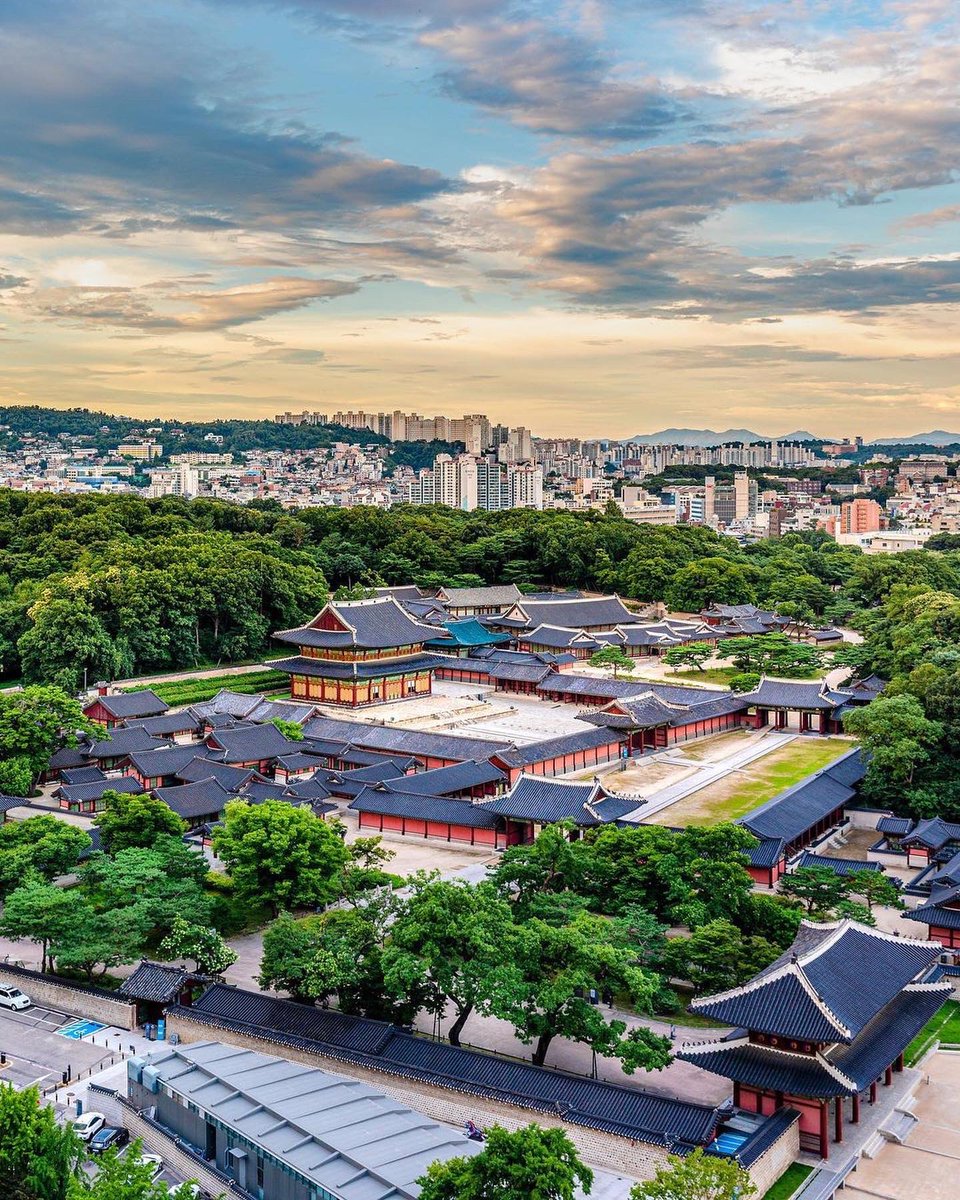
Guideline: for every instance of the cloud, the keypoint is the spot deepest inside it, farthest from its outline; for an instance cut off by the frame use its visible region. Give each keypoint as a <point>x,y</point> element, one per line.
<point>105,134</point>
<point>165,308</point>
<point>8,281</point>
<point>550,81</point>
<point>946,215</point>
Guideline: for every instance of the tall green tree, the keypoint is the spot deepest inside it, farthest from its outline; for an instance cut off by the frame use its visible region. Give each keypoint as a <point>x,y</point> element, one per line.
<point>559,968</point>
<point>693,654</point>
<point>898,736</point>
<point>454,941</point>
<point>615,659</point>
<point>40,912</point>
<point>123,1177</point>
<point>717,956</point>
<point>128,821</point>
<point>528,1164</point>
<point>210,953</point>
<point>39,1159</point>
<point>282,856</point>
<point>698,1176</point>
<point>44,845</point>
<point>34,723</point>
<point>818,889</point>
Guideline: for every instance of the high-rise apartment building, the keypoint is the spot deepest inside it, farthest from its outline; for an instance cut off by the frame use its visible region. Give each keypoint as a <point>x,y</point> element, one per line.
<point>861,516</point>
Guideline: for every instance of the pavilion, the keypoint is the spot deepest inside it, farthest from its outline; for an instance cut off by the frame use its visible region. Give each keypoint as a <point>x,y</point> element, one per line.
<point>822,1025</point>
<point>359,652</point>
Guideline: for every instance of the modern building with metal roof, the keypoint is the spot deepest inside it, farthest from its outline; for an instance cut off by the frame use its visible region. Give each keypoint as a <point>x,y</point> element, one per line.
<point>286,1131</point>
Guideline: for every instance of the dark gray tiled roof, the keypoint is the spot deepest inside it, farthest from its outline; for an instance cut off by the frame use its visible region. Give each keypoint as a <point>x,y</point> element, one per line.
<point>627,1111</point>
<point>351,783</point>
<point>499,595</point>
<point>788,693</point>
<point>559,638</point>
<point>123,742</point>
<point>568,743</point>
<point>412,742</point>
<point>76,792</point>
<point>82,775</point>
<point>517,672</point>
<point>375,668</point>
<point>418,807</point>
<point>374,624</point>
<point>169,759</point>
<point>844,1070</point>
<point>767,852</point>
<point>124,705</point>
<point>167,724</point>
<point>896,826</point>
<point>933,833</point>
<point>839,866</point>
<point>575,614</point>
<point>791,813</point>
<point>252,743</point>
<point>448,781</point>
<point>231,778</point>
<point>545,801</point>
<point>828,992</point>
<point>205,798</point>
<point>153,981</point>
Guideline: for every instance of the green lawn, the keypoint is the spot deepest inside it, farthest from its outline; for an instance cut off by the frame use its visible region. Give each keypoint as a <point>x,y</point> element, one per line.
<point>712,675</point>
<point>179,692</point>
<point>788,1182</point>
<point>745,789</point>
<point>943,1026</point>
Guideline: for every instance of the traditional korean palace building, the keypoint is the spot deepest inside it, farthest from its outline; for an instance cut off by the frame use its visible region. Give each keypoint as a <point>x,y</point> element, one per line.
<point>359,652</point>
<point>822,1026</point>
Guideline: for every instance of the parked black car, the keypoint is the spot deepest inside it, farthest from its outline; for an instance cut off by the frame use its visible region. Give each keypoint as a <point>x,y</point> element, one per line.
<point>107,1137</point>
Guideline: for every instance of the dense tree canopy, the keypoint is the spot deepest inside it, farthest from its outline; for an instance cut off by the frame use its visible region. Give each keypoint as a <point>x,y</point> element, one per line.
<point>117,585</point>
<point>527,1164</point>
<point>279,855</point>
<point>39,1159</point>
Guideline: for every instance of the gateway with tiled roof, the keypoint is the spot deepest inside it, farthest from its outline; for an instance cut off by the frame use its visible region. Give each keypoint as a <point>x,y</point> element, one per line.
<point>535,801</point>
<point>359,652</point>
<point>822,1024</point>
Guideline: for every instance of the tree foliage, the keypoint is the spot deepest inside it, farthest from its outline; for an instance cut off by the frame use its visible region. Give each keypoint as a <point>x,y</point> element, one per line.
<point>280,855</point>
<point>698,1176</point>
<point>530,1163</point>
<point>128,821</point>
<point>39,1159</point>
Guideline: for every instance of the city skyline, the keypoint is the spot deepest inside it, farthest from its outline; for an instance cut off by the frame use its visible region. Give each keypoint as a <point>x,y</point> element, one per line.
<point>592,219</point>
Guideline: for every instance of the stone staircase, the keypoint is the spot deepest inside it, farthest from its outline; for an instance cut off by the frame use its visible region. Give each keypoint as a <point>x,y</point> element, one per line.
<point>898,1126</point>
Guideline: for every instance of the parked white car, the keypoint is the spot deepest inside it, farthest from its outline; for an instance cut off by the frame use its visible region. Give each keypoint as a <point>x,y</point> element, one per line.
<point>154,1162</point>
<point>88,1124</point>
<point>12,997</point>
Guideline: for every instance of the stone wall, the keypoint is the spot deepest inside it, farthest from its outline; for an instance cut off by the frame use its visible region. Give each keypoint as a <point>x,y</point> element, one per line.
<point>70,998</point>
<point>625,1156</point>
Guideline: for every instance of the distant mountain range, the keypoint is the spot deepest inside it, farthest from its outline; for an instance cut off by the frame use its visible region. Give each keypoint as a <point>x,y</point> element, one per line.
<point>937,437</point>
<point>713,437</point>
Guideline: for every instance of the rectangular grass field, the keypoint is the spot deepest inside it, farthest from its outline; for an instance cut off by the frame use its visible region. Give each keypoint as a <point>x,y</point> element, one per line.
<point>746,788</point>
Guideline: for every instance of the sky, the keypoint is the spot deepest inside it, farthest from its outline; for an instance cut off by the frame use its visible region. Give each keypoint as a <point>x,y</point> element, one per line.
<point>590,217</point>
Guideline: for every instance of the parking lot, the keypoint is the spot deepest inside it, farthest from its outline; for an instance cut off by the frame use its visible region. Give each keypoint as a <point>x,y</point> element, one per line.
<point>41,1044</point>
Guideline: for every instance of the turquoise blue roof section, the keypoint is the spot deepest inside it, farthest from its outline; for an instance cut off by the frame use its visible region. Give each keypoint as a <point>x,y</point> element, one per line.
<point>469,632</point>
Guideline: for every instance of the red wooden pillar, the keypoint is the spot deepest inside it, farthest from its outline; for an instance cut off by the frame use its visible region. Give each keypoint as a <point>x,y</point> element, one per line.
<point>838,1120</point>
<point>873,1092</point>
<point>856,1109</point>
<point>888,1077</point>
<point>824,1136</point>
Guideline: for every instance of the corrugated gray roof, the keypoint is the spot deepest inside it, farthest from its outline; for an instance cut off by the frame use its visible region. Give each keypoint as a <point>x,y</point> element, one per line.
<point>335,1133</point>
